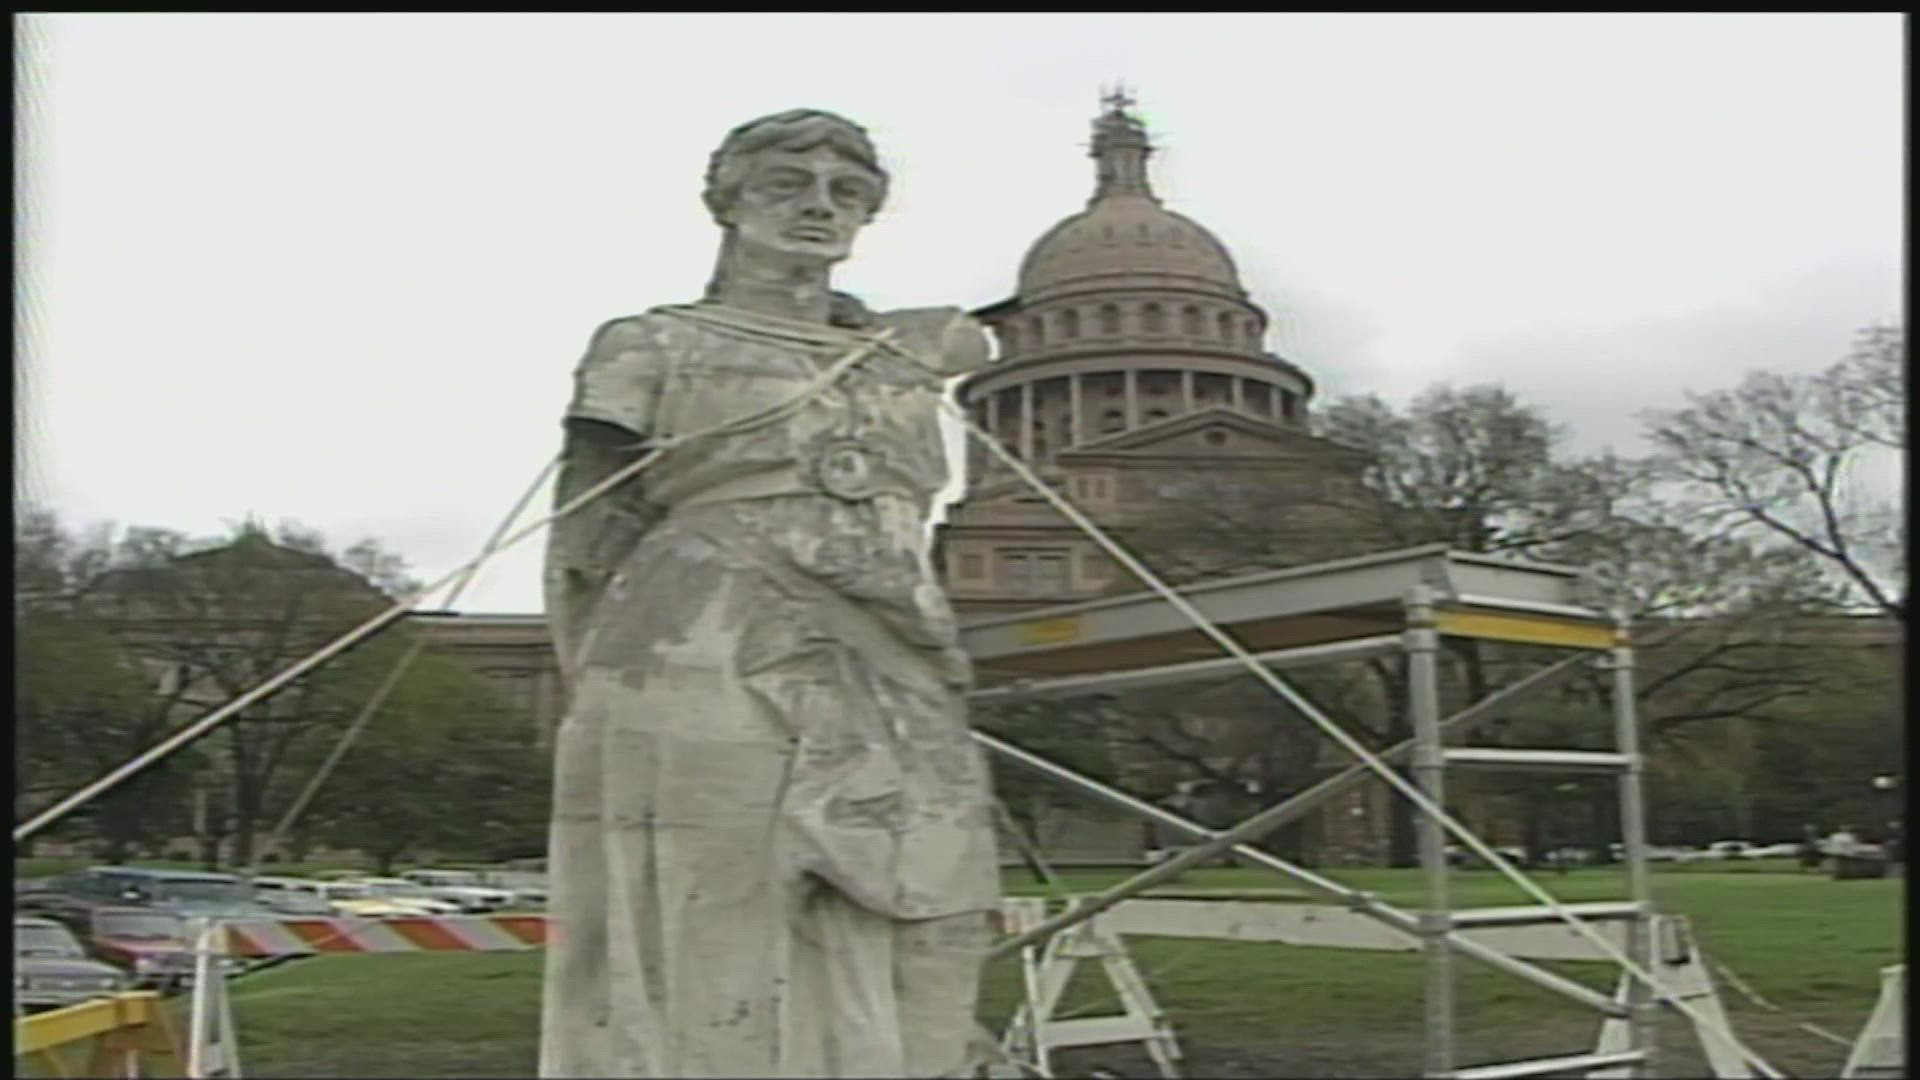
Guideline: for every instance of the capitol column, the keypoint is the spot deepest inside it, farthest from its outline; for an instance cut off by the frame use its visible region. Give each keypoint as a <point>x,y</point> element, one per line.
<point>1026,421</point>
<point>1186,390</point>
<point>1075,422</point>
<point>1239,394</point>
<point>993,429</point>
<point>1133,399</point>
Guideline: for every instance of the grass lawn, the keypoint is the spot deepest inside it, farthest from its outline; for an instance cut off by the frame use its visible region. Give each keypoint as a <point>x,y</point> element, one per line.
<point>1811,945</point>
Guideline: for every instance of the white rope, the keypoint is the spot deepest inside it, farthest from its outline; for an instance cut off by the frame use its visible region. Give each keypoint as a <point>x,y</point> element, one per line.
<point>1346,741</point>
<point>658,445</point>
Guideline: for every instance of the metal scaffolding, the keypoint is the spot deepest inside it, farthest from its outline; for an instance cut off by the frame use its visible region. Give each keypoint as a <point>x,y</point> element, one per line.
<point>1397,602</point>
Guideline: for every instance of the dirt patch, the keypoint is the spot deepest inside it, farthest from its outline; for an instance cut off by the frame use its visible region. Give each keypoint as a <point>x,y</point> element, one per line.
<point>1240,1062</point>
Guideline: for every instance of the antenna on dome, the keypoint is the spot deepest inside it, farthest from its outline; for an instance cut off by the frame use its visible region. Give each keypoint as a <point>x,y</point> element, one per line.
<point>1120,147</point>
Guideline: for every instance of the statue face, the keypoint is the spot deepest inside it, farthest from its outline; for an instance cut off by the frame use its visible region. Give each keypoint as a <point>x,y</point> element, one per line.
<point>806,203</point>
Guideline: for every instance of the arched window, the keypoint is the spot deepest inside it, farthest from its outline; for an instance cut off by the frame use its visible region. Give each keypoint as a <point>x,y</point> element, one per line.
<point>1226,328</point>
<point>1253,333</point>
<point>1111,421</point>
<point>1109,320</point>
<point>1037,330</point>
<point>1289,405</point>
<point>1156,414</point>
<point>1153,319</point>
<point>1190,321</point>
<point>1069,324</point>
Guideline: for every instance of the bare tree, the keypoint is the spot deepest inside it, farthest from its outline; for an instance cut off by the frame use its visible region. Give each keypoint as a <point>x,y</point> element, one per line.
<point>1785,455</point>
<point>1478,470</point>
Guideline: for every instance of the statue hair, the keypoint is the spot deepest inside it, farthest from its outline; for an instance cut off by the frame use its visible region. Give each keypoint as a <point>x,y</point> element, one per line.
<point>795,129</point>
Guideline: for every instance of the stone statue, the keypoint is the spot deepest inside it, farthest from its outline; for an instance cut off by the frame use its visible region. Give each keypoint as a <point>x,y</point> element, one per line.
<point>772,850</point>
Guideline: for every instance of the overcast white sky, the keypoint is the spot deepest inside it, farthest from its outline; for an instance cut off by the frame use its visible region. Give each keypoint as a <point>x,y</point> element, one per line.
<point>338,268</point>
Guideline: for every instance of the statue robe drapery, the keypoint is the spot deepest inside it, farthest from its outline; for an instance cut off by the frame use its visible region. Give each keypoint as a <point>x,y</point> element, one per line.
<point>772,843</point>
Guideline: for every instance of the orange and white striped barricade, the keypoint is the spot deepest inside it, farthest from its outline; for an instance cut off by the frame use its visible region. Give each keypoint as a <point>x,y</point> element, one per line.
<point>301,936</point>
<point>212,1049</point>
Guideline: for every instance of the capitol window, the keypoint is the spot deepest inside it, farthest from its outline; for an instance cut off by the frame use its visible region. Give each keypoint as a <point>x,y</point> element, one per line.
<point>1226,327</point>
<point>1153,319</point>
<point>1034,571</point>
<point>1190,321</point>
<point>1069,324</point>
<point>1109,319</point>
<point>1038,330</point>
<point>1111,421</point>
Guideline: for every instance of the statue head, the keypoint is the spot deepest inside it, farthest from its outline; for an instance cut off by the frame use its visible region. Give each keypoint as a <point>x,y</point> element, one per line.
<point>798,183</point>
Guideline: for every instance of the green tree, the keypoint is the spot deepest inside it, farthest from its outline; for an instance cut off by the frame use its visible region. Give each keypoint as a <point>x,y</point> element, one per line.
<point>446,766</point>
<point>83,703</point>
<point>81,707</point>
<point>1060,731</point>
<point>198,624</point>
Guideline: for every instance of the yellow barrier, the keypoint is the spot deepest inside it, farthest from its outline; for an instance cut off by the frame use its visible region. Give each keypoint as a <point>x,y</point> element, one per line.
<point>1526,629</point>
<point>130,1032</point>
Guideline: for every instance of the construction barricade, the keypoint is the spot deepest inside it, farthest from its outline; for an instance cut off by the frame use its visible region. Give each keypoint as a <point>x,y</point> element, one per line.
<point>121,1035</point>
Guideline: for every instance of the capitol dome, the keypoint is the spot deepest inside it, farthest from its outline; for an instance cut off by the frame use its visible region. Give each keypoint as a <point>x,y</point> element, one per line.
<point>1127,241</point>
<point>1126,316</point>
<point>1125,238</point>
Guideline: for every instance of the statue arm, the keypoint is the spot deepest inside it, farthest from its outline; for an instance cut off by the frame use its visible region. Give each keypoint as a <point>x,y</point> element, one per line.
<point>615,391</point>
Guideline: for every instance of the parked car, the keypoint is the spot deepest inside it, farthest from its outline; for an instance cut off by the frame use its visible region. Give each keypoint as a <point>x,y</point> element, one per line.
<point>463,887</point>
<point>51,968</point>
<point>1774,851</point>
<point>529,887</point>
<point>149,944</point>
<point>72,897</point>
<point>1728,849</point>
<point>1668,853</point>
<point>335,898</point>
<point>418,896</point>
<point>291,896</point>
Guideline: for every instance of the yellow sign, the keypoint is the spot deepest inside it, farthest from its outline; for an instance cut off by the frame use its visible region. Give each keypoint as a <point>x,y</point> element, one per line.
<point>1527,629</point>
<point>1051,631</point>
